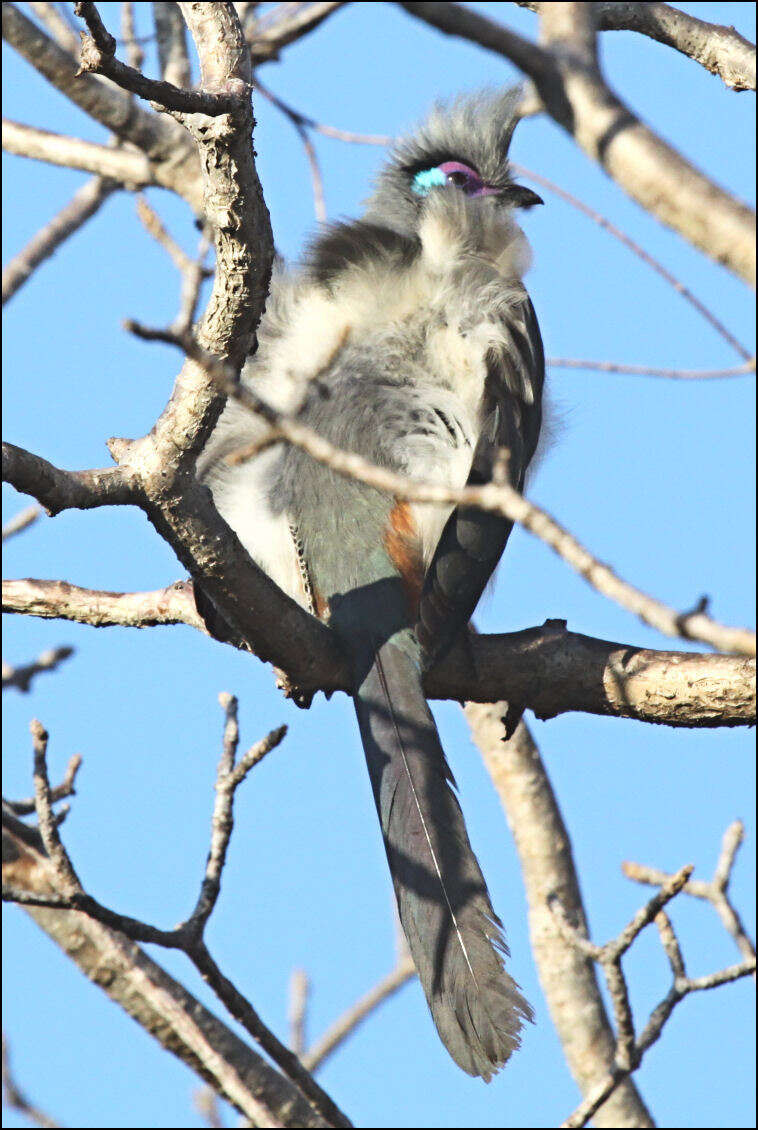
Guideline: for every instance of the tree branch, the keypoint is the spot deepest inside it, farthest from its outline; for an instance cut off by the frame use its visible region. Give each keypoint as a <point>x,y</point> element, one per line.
<point>98,57</point>
<point>548,670</point>
<point>63,490</point>
<point>567,976</point>
<point>130,169</point>
<point>721,50</point>
<point>284,24</point>
<point>83,205</point>
<point>21,677</point>
<point>172,156</point>
<point>176,1019</point>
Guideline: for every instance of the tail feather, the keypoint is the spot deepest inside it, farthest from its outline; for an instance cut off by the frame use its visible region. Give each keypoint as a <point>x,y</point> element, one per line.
<point>454,935</point>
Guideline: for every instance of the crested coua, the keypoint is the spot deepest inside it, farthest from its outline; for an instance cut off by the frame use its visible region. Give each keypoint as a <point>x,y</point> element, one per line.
<point>408,337</point>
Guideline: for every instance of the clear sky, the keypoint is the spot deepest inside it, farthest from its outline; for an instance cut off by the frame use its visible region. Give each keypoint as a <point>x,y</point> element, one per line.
<point>655,476</point>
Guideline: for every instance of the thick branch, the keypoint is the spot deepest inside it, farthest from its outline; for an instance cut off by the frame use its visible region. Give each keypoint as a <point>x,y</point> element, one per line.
<point>130,169</point>
<point>646,167</point>
<point>567,976</point>
<point>548,670</point>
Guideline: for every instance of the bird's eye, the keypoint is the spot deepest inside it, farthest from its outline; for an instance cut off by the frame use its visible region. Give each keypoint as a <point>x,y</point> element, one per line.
<point>449,172</point>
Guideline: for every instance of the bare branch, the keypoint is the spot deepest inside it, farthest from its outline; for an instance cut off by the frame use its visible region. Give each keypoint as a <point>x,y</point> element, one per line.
<point>58,26</point>
<point>641,253</point>
<point>62,490</point>
<point>282,26</point>
<point>721,50</point>
<point>228,779</point>
<point>630,1051</point>
<point>63,601</point>
<point>193,271</point>
<point>715,891</point>
<point>646,371</point>
<point>188,935</point>
<point>567,976</point>
<point>298,1011</point>
<point>318,127</point>
<point>155,1000</point>
<point>98,56</point>
<point>84,204</point>
<point>169,150</point>
<point>568,79</point>
<point>14,1097</point>
<point>549,670</point>
<point>65,789</point>
<point>126,167</point>
<point>403,972</point>
<point>21,677</point>
<point>21,521</point>
<point>171,34</point>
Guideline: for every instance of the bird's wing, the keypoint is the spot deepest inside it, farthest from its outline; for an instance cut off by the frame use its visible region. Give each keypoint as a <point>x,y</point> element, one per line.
<point>473,540</point>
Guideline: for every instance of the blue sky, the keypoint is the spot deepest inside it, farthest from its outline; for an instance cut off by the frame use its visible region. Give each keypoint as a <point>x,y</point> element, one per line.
<point>655,476</point>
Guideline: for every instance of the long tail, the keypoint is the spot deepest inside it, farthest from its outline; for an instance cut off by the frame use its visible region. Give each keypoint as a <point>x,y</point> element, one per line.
<point>454,935</point>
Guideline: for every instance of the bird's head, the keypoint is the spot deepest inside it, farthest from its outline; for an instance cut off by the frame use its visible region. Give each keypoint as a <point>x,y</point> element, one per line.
<point>462,147</point>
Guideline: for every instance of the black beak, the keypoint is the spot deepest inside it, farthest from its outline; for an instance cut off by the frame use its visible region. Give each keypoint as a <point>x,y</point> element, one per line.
<point>519,196</point>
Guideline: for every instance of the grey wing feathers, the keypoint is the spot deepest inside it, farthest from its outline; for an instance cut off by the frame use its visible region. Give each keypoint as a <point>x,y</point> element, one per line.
<point>473,540</point>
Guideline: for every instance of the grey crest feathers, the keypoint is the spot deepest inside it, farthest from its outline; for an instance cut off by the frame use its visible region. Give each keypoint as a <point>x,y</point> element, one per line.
<point>474,128</point>
<point>407,337</point>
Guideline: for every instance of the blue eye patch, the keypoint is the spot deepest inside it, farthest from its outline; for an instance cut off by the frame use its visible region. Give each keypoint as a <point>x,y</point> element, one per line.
<point>427,179</point>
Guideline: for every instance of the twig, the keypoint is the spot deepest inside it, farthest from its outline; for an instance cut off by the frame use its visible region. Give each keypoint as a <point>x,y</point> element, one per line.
<point>283,25</point>
<point>192,271</point>
<point>499,498</point>
<point>715,890</point>
<point>65,789</point>
<point>46,823</point>
<point>228,779</point>
<point>188,935</point>
<point>630,1050</point>
<point>21,521</point>
<point>98,56</point>
<point>404,971</point>
<point>21,677</point>
<point>642,254</point>
<point>84,204</point>
<point>296,116</point>
<point>15,1098</point>
<point>298,1010</point>
<point>648,371</point>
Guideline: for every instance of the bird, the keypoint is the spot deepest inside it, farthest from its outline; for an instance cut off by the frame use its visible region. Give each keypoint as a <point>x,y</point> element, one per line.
<point>408,337</point>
